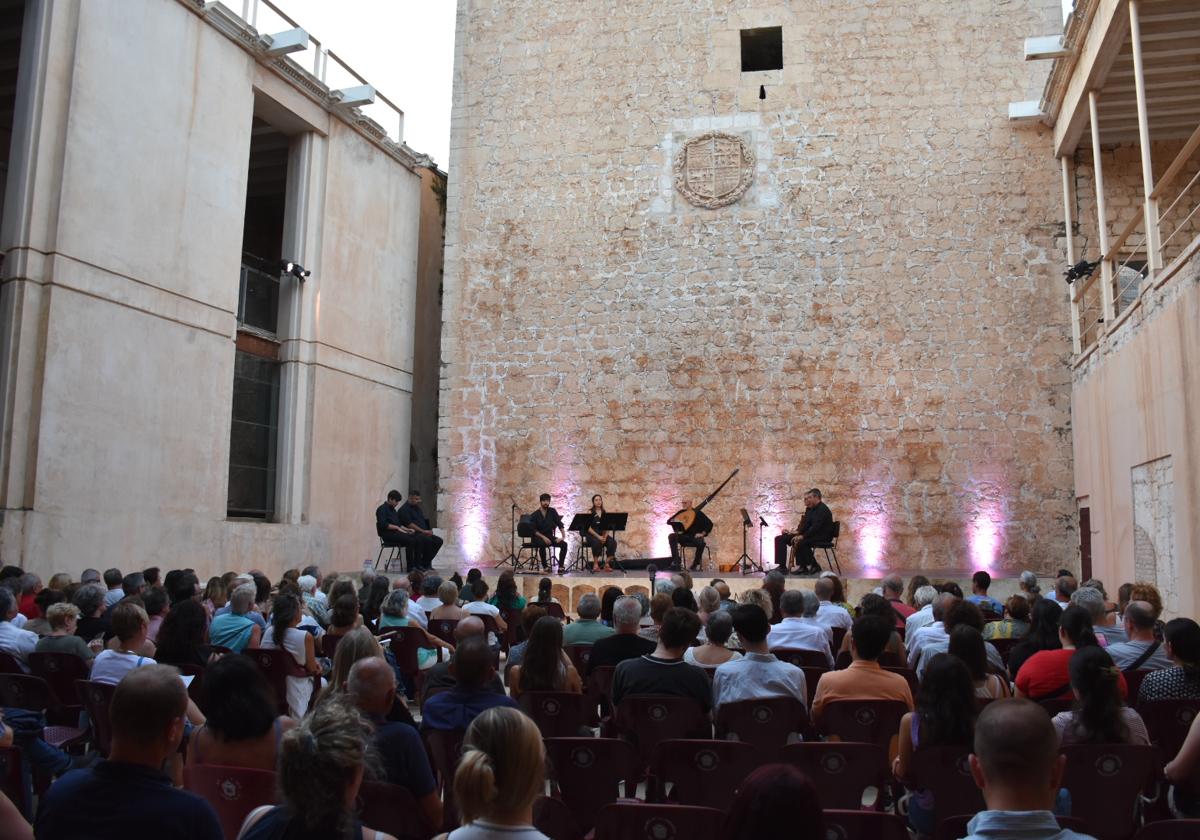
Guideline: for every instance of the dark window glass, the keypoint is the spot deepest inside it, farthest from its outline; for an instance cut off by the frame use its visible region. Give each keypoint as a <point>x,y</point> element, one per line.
<point>762,49</point>
<point>258,296</point>
<point>253,436</point>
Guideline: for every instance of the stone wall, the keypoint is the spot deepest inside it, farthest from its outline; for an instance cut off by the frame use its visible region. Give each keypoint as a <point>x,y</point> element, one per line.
<point>880,315</point>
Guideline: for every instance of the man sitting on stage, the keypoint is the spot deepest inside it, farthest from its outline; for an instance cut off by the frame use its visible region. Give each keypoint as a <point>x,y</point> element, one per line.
<point>411,516</point>
<point>694,539</point>
<point>546,525</point>
<point>394,532</point>
<point>816,526</point>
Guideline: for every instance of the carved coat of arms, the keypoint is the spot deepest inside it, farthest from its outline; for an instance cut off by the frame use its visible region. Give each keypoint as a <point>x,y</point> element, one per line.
<point>714,169</point>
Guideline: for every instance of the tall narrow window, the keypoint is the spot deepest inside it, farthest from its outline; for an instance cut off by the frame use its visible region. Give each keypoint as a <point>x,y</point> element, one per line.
<point>254,425</point>
<point>12,19</point>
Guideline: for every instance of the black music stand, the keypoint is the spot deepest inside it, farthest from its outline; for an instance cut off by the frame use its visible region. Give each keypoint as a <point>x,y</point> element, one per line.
<point>511,559</point>
<point>615,522</point>
<point>579,524</point>
<point>746,561</point>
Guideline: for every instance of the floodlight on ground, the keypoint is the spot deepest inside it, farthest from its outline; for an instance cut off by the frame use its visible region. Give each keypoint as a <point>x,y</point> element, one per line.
<point>354,96</point>
<point>282,43</point>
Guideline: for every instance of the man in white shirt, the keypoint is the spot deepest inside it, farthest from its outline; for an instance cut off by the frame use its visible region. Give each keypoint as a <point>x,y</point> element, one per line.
<point>429,601</point>
<point>14,641</point>
<point>112,579</point>
<point>923,617</point>
<point>758,674</point>
<point>934,632</point>
<point>796,632</point>
<point>475,595</point>
<point>958,612</point>
<point>414,612</point>
<point>321,597</point>
<point>829,613</point>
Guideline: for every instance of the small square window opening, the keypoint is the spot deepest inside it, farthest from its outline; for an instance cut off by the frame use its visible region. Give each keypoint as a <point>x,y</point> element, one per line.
<point>762,49</point>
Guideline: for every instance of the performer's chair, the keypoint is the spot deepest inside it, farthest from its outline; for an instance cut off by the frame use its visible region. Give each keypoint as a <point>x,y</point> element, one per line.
<point>830,549</point>
<point>394,553</point>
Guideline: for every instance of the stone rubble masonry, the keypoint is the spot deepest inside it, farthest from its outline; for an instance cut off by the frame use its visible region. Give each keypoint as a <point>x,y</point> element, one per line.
<point>881,315</point>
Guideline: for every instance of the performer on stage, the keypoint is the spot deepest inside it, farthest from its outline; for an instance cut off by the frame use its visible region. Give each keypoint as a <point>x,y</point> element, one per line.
<point>601,542</point>
<point>816,526</point>
<point>693,539</point>
<point>546,525</point>
<point>428,543</point>
<point>393,532</point>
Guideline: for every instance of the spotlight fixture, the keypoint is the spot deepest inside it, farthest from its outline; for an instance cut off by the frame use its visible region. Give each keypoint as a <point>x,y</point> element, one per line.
<point>1081,269</point>
<point>762,91</point>
<point>295,269</point>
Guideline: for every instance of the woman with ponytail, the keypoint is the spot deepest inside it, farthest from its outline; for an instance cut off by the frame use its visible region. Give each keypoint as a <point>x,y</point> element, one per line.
<point>320,770</point>
<point>501,772</point>
<point>284,634</point>
<point>1046,674</point>
<point>1099,716</point>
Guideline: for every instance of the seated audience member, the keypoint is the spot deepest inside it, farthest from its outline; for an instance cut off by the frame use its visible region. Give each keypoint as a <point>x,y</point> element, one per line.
<point>429,600</point>
<point>1042,635</point>
<point>285,634</point>
<point>944,716</point>
<point>501,772</point>
<point>935,631</point>
<point>775,802</point>
<point>966,643</point>
<point>758,673</point>
<point>377,592</point>
<point>958,614</point>
<point>1092,600</point>
<point>864,679</point>
<point>713,652</point>
<point>112,580</point>
<point>414,614</point>
<point>529,617</point>
<point>1014,625</point>
<point>359,643</point>
<point>475,597</point>
<point>130,625</point>
<point>182,637</point>
<point>774,584</point>
<point>184,586</point>
<point>1183,772</point>
<point>234,629</point>
<point>892,588</point>
<point>1064,587</point>
<point>625,642</point>
<point>397,611</point>
<point>1148,592</point>
<point>659,605</point>
<point>62,638</point>
<point>951,588</point>
<point>344,615</point>
<point>507,597</point>
<point>473,669</point>
<point>873,604</point>
<point>923,599</point>
<point>44,599</point>
<point>793,632</point>
<point>664,671</point>
<point>449,609</point>
<point>1030,588</point>
<point>30,585</point>
<point>544,596</point>
<point>545,666</point>
<point>14,641</point>
<point>1183,681</point>
<point>838,596</point>
<point>681,596</point>
<point>321,766</point>
<point>127,794</point>
<point>155,601</point>
<point>910,592</point>
<point>1099,716</point>
<point>440,677</point>
<point>215,596</point>
<point>241,728</point>
<point>59,581</point>
<point>708,602</point>
<point>1046,675</point>
<point>315,606</point>
<point>372,688</point>
<point>727,602</point>
<point>1018,768</point>
<point>980,583</point>
<point>588,629</point>
<point>829,613</point>
<point>1124,596</point>
<point>1142,650</point>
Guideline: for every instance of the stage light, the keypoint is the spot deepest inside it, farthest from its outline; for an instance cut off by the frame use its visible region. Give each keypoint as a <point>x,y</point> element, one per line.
<point>294,269</point>
<point>282,43</point>
<point>1081,269</point>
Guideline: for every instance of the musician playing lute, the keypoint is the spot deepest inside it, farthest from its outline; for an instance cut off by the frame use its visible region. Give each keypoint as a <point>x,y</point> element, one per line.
<point>690,527</point>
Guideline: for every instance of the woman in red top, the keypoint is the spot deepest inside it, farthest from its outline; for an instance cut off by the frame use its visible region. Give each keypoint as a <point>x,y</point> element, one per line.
<point>1046,675</point>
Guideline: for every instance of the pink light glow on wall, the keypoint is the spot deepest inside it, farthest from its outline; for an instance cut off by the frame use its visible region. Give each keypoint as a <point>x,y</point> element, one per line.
<point>472,529</point>
<point>984,532</point>
<point>872,533</point>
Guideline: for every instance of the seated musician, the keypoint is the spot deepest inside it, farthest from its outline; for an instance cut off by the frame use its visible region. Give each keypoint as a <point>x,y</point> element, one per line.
<point>546,525</point>
<point>601,542</point>
<point>692,537</point>
<point>412,517</point>
<point>816,526</point>
<point>392,531</point>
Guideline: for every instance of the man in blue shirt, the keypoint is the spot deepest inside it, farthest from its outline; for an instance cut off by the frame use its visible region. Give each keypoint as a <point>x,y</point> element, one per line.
<point>128,795</point>
<point>473,669</point>
<point>980,583</point>
<point>1018,767</point>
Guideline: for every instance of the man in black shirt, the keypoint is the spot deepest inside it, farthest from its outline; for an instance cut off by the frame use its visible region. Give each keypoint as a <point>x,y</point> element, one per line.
<point>816,526</point>
<point>546,525</point>
<point>625,643</point>
<point>429,543</point>
<point>394,532</point>
<point>664,671</point>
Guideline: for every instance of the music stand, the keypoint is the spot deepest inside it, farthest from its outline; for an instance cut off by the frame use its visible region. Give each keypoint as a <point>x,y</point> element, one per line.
<point>615,522</point>
<point>746,561</point>
<point>579,524</point>
<point>511,559</point>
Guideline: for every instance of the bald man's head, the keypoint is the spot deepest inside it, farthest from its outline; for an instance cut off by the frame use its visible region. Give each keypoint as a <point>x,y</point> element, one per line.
<point>472,665</point>
<point>1016,755</point>
<point>372,684</point>
<point>468,627</point>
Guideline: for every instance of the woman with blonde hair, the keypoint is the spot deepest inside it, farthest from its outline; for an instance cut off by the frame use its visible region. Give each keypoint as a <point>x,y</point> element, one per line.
<point>501,772</point>
<point>358,644</point>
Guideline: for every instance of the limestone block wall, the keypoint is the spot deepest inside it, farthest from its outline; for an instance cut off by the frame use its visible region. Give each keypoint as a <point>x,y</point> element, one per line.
<point>880,315</point>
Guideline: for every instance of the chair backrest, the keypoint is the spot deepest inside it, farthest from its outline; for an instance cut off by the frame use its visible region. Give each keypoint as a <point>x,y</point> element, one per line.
<point>1169,830</point>
<point>276,665</point>
<point>914,684</point>
<point>443,628</point>
<point>840,770</point>
<point>801,657</point>
<point>329,645</point>
<point>1004,647</point>
<point>558,714</point>
<point>97,697</point>
<point>9,664</point>
<point>405,643</point>
<point>837,531</point>
<point>1055,706</point>
<point>392,810</point>
<point>767,723</point>
<point>24,691</point>
<point>946,773</point>
<point>553,818</point>
<point>60,671</point>
<point>1105,781</point>
<point>1168,722</point>
<point>1133,683</point>
<point>599,689</point>
<point>647,719</point>
<point>854,824</point>
<point>579,654</point>
<point>196,686</point>
<point>622,821</point>
<point>839,635</point>
<point>553,609</point>
<point>954,828</point>
<point>701,772</point>
<point>863,721</point>
<point>12,780</point>
<point>233,792</point>
<point>514,633</point>
<point>842,660</point>
<point>445,748</point>
<point>587,773</point>
<point>812,676</point>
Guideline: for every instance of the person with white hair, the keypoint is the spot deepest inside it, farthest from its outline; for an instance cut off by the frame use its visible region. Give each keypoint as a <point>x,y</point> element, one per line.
<point>313,604</point>
<point>1092,600</point>
<point>1030,587</point>
<point>234,629</point>
<point>798,630</point>
<point>588,628</point>
<point>253,614</point>
<point>923,598</point>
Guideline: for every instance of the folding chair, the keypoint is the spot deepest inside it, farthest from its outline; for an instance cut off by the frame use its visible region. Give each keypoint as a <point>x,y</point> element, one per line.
<point>392,810</point>
<point>857,825</point>
<point>25,691</point>
<point>1106,782</point>
<point>394,553</point>
<point>443,628</point>
<point>767,724</point>
<point>647,719</point>
<point>830,549</point>
<point>587,772</point>
<point>1168,722</point>
<point>812,676</point>
<point>700,772</point>
<point>558,714</point>
<point>277,665</point>
<point>840,770</point>
<point>553,818</point>
<point>863,721</point>
<point>946,773</point>
<point>233,792</point>
<point>445,748</point>
<point>97,698</point>
<point>621,821</point>
<point>60,671</point>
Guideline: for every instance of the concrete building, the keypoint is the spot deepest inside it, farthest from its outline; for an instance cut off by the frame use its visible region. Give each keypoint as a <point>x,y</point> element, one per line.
<point>802,239</point>
<point>171,394</point>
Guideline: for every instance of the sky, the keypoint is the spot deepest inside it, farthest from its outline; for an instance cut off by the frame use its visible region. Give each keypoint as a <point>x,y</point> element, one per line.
<point>405,48</point>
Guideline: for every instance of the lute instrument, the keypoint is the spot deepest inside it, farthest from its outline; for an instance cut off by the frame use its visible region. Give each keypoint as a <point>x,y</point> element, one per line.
<point>691,520</point>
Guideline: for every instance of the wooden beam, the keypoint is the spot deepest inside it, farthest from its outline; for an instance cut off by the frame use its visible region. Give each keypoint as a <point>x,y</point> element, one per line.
<point>1181,160</point>
<point>1149,205</point>
<point>1098,50</point>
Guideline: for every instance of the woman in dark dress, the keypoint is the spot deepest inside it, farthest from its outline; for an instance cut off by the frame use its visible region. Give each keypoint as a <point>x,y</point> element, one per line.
<point>601,542</point>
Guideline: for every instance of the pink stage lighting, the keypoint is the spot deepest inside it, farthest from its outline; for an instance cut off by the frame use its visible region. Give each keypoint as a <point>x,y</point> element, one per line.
<point>984,534</point>
<point>871,536</point>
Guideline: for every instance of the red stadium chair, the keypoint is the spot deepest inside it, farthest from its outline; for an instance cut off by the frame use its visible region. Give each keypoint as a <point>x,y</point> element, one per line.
<point>60,671</point>
<point>553,818</point>
<point>801,657</point>
<point>812,676</point>
<point>445,748</point>
<point>946,773</point>
<point>515,634</point>
<point>9,664</point>
<point>863,825</point>
<point>233,792</point>
<point>24,691</point>
<point>1168,721</point>
<point>277,665</point>
<point>767,724</point>
<point>599,691</point>
<point>587,772</point>
<point>392,810</point>
<point>863,721</point>
<point>700,772</point>
<point>841,771</point>
<point>1133,682</point>
<point>405,642</point>
<point>839,635</point>
<point>555,610</point>
<point>328,645</point>
<point>1106,781</point>
<point>621,821</point>
<point>579,655</point>
<point>914,684</point>
<point>649,718</point>
<point>97,697</point>
<point>443,628</point>
<point>1004,647</point>
<point>558,714</point>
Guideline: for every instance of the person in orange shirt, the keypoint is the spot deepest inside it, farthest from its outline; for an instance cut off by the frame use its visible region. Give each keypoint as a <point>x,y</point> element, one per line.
<point>864,679</point>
